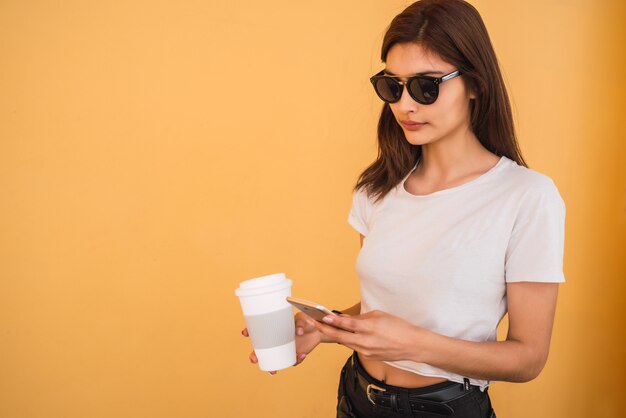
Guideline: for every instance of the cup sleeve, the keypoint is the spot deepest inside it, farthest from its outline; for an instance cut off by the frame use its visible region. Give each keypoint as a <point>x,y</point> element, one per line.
<point>535,248</point>
<point>360,213</point>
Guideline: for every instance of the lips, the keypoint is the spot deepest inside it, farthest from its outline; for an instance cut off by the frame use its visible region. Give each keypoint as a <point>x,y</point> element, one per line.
<point>412,123</point>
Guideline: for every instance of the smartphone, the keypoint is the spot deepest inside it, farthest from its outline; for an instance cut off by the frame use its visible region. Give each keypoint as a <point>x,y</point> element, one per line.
<point>315,310</point>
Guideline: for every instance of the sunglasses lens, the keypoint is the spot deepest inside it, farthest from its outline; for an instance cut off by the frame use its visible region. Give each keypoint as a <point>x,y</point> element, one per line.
<point>424,91</point>
<point>388,90</point>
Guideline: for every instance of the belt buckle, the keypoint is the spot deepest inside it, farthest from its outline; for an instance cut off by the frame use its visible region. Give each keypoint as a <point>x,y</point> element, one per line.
<point>372,386</point>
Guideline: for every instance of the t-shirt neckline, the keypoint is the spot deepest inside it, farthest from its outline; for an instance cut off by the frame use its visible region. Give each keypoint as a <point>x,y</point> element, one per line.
<point>450,189</point>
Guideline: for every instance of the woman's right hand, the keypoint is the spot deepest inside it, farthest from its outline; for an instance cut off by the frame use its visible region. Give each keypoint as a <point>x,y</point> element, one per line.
<point>307,338</point>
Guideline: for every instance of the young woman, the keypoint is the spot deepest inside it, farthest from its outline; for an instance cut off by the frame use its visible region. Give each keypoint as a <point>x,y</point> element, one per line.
<point>455,232</point>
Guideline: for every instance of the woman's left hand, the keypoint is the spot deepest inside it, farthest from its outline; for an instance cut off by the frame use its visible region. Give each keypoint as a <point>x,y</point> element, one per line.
<point>376,335</point>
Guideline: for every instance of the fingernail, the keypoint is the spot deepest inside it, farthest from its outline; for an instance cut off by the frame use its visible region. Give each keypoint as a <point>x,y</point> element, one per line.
<point>327,319</point>
<point>302,356</point>
<point>300,331</point>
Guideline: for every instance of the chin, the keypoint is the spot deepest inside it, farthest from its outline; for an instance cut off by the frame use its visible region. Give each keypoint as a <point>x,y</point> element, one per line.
<point>417,139</point>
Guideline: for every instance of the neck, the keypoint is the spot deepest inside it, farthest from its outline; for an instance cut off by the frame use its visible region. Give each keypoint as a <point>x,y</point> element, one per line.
<point>449,159</point>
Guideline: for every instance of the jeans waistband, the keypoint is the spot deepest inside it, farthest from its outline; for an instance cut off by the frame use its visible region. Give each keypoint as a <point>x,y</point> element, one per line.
<point>376,389</point>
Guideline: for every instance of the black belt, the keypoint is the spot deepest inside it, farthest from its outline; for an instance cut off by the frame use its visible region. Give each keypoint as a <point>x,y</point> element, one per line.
<point>433,401</point>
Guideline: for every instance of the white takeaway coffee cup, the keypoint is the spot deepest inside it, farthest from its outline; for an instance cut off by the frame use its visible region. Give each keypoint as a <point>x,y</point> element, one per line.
<point>269,319</point>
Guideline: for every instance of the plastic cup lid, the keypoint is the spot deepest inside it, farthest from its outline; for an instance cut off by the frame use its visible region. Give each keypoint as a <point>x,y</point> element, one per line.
<point>261,285</point>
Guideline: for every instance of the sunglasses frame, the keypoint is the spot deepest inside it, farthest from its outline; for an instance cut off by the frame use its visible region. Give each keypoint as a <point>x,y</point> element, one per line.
<point>403,84</point>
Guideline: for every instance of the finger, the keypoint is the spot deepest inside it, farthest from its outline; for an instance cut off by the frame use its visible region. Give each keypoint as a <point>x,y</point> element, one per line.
<point>244,332</point>
<point>347,323</point>
<point>272,373</point>
<point>253,358</point>
<point>306,322</point>
<point>300,358</point>
<point>347,338</point>
<point>299,326</point>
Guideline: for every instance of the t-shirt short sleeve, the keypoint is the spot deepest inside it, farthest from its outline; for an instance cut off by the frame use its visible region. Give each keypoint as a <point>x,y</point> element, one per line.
<point>360,212</point>
<point>535,249</point>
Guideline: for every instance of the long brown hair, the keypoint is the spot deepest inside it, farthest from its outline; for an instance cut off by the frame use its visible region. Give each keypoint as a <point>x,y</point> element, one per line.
<point>454,30</point>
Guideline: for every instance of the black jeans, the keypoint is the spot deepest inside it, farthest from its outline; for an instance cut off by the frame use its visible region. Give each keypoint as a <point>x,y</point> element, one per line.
<point>352,400</point>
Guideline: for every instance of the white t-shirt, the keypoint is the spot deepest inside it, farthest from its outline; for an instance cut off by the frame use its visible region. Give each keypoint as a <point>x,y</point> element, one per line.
<point>441,261</point>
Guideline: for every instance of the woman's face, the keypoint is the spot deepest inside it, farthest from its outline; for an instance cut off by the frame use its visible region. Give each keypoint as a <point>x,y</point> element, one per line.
<point>448,117</point>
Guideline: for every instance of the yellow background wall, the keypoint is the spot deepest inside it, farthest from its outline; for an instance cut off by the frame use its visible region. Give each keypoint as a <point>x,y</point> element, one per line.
<point>154,154</point>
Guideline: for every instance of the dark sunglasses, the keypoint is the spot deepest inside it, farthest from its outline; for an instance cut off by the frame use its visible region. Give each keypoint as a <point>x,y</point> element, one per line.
<point>423,89</point>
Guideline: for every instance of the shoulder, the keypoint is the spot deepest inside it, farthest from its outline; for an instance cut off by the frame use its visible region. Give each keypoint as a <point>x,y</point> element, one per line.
<point>362,197</point>
<point>533,189</point>
<point>531,183</point>
<point>361,212</point>
<point>528,177</point>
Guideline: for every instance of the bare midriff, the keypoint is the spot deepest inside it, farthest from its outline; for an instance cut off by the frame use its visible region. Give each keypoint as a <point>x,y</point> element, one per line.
<point>397,377</point>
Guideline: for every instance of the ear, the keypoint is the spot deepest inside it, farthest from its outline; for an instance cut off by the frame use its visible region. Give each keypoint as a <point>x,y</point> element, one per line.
<point>471,90</point>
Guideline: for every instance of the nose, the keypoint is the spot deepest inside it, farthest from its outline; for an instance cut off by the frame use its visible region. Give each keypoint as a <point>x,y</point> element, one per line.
<point>406,103</point>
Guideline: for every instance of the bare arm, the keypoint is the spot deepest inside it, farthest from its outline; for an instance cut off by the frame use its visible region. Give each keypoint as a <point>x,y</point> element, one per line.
<point>378,335</point>
<point>353,310</point>
<point>519,358</point>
